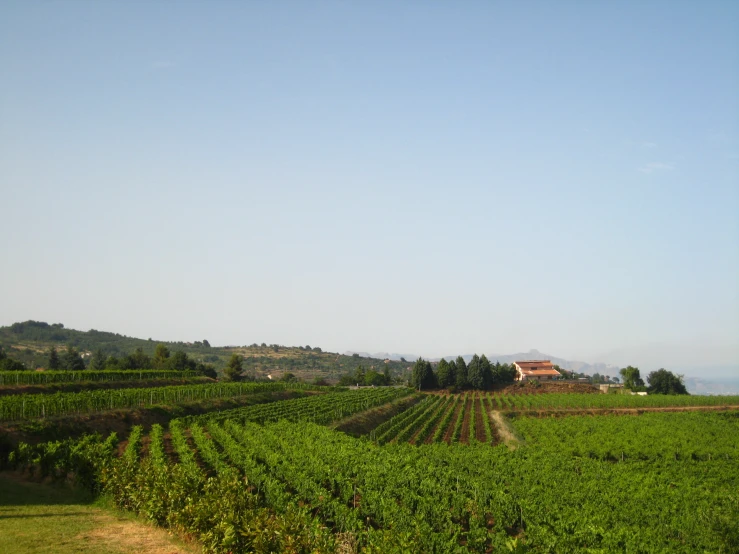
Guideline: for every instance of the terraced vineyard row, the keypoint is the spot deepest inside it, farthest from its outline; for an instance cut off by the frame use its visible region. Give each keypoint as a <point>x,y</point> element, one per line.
<point>299,487</point>
<point>29,406</point>
<point>553,401</point>
<point>321,409</point>
<point>10,378</point>
<point>461,418</point>
<point>465,418</point>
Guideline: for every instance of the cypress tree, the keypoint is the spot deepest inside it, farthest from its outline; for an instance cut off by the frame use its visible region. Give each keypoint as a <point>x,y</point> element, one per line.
<point>98,360</point>
<point>444,375</point>
<point>487,371</point>
<point>54,362</point>
<point>474,373</point>
<point>423,375</point>
<point>72,360</point>
<point>461,377</point>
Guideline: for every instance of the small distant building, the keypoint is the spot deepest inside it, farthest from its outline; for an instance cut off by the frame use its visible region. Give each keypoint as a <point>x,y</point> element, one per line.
<point>540,370</point>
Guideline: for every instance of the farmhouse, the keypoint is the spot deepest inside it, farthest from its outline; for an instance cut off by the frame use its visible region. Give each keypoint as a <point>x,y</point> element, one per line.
<point>541,370</point>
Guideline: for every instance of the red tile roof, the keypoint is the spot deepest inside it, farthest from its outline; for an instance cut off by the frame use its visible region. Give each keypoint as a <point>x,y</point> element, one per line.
<point>537,367</point>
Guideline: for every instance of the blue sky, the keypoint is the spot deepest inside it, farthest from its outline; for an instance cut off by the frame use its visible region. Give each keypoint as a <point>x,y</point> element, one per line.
<point>417,177</point>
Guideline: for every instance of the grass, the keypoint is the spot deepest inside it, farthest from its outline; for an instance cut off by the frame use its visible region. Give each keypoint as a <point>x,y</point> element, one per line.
<point>40,518</point>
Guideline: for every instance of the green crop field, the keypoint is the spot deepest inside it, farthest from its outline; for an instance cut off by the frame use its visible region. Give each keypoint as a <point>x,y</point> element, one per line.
<point>29,406</point>
<point>433,478</point>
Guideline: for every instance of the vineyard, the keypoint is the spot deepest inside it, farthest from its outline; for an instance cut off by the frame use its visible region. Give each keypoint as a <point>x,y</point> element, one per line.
<point>29,406</point>
<point>465,418</point>
<point>273,477</point>
<point>241,486</point>
<point>9,378</point>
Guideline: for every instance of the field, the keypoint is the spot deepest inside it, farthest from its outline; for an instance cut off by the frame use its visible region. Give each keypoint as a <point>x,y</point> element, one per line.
<point>474,472</point>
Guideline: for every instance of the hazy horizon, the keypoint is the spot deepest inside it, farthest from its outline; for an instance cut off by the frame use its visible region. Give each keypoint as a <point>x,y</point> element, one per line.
<point>481,177</point>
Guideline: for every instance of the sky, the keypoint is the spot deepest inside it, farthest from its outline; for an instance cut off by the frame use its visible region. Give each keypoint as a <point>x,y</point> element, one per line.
<point>427,177</point>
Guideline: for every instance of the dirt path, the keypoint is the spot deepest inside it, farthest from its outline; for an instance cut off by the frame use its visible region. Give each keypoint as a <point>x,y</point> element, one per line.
<point>504,430</point>
<point>464,436</point>
<point>479,422</point>
<point>450,428</point>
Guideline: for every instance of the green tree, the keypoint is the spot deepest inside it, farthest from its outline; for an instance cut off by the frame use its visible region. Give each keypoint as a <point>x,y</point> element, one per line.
<point>475,376</point>
<point>161,356</point>
<point>179,362</point>
<point>98,360</point>
<point>445,374</point>
<point>9,364</point>
<point>423,375</point>
<point>359,375</point>
<point>137,360</point>
<point>376,379</point>
<point>206,344</point>
<point>234,367</point>
<point>386,375</point>
<point>71,360</point>
<point>208,370</point>
<point>486,368</point>
<point>462,382</point>
<point>54,361</point>
<point>665,382</point>
<point>632,378</point>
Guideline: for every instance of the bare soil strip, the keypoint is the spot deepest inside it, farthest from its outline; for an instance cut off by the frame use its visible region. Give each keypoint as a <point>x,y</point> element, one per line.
<point>479,422</point>
<point>465,435</point>
<point>453,423</point>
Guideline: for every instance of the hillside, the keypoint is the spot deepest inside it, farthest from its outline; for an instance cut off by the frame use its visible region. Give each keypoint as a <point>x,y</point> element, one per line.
<point>29,342</point>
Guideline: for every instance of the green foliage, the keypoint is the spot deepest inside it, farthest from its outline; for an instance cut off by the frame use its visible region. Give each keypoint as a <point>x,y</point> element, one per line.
<point>461,373</point>
<point>475,374</point>
<point>423,375</point>
<point>161,356</point>
<point>54,361</point>
<point>632,378</point>
<point>366,378</point>
<point>234,368</point>
<point>665,382</point>
<point>445,374</point>
<point>246,485</point>
<point>9,364</point>
<point>136,360</point>
<point>71,359</point>
<point>98,361</point>
<point>19,407</point>
<point>88,376</point>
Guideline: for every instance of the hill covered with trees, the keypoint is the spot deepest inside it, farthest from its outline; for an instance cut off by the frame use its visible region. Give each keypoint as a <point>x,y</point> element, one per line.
<point>30,343</point>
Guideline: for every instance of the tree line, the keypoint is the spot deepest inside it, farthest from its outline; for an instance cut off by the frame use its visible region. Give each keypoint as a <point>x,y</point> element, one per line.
<point>659,382</point>
<point>479,374</point>
<point>71,360</point>
<point>366,377</point>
